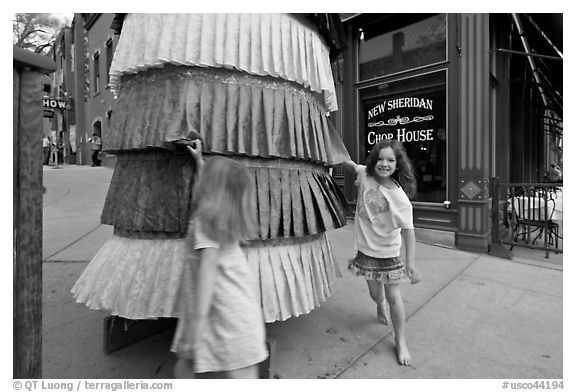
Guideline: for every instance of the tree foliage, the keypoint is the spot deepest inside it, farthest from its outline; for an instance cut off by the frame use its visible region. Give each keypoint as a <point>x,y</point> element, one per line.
<point>35,32</point>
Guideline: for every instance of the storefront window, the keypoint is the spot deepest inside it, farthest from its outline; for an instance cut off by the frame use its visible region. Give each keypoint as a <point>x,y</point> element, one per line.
<point>413,111</point>
<point>385,49</point>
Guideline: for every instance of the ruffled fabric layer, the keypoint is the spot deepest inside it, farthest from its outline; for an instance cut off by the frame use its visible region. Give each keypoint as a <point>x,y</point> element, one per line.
<point>295,198</point>
<point>234,112</point>
<point>386,277</point>
<point>150,192</point>
<point>135,279</point>
<point>280,45</point>
<point>146,279</point>
<point>150,196</point>
<point>295,274</point>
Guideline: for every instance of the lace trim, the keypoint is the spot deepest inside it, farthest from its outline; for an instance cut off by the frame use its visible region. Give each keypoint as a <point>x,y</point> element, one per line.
<point>222,75</point>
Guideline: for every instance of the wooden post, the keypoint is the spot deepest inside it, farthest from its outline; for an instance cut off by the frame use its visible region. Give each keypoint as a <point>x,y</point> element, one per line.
<point>28,92</point>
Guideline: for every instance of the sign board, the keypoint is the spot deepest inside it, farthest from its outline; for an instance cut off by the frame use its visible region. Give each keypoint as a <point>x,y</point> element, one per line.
<point>54,103</point>
<point>408,119</point>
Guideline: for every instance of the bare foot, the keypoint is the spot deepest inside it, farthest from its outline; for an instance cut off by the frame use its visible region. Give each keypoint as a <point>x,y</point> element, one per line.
<point>402,353</point>
<point>382,312</point>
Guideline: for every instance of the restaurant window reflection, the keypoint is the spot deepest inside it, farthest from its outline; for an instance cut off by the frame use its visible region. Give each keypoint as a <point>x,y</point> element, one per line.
<point>390,46</point>
<point>413,111</point>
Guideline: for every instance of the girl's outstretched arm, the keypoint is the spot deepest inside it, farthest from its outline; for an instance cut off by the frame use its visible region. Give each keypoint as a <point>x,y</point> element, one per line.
<point>350,165</point>
<point>195,149</point>
<point>409,240</point>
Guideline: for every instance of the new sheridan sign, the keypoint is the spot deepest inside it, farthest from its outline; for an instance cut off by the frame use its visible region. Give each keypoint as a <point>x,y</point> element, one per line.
<point>407,119</point>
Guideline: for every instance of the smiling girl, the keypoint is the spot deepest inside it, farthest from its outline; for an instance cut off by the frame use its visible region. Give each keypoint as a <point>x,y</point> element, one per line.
<point>382,223</point>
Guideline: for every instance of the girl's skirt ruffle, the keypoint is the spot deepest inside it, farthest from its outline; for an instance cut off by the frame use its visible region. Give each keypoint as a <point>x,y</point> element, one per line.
<point>388,270</point>
<point>279,45</point>
<point>146,279</point>
<point>234,112</point>
<point>150,193</point>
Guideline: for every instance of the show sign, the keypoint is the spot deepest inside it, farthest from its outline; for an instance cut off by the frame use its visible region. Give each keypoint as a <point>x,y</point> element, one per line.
<point>407,119</point>
<point>54,103</point>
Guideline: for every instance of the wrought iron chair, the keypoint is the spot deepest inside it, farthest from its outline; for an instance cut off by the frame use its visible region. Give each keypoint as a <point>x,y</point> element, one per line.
<point>533,210</point>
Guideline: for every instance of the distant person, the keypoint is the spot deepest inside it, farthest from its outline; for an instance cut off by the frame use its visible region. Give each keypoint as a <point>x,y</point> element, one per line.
<point>96,141</point>
<point>60,151</point>
<point>53,153</point>
<point>383,222</point>
<point>46,145</point>
<point>60,147</point>
<point>554,174</point>
<point>223,331</point>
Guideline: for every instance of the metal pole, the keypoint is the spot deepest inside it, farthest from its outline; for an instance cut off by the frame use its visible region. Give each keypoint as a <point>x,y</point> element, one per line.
<point>495,209</point>
<point>496,247</point>
<point>530,59</point>
<point>544,35</point>
<point>544,56</point>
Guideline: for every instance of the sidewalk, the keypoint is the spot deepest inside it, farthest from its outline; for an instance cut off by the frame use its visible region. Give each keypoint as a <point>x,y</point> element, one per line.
<point>472,316</point>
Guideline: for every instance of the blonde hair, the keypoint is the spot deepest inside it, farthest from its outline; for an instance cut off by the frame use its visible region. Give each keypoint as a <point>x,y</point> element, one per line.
<point>223,201</point>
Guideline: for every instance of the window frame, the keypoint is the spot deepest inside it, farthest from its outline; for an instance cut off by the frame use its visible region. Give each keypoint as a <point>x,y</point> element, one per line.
<point>415,69</point>
<point>395,78</point>
<point>96,71</point>
<point>450,66</point>
<point>109,56</point>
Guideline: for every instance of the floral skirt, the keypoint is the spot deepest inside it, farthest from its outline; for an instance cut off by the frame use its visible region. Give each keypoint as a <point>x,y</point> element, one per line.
<point>388,270</point>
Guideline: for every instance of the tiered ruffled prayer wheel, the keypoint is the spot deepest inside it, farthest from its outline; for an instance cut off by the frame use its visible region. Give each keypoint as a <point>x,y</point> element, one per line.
<point>256,88</point>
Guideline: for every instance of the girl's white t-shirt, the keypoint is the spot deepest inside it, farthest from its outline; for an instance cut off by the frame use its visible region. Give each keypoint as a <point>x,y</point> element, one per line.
<point>380,215</point>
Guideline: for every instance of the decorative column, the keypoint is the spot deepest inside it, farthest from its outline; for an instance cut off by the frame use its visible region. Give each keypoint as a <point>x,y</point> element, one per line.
<point>474,158</point>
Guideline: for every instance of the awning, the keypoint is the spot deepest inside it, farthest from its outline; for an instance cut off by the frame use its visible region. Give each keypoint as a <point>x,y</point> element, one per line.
<point>539,38</point>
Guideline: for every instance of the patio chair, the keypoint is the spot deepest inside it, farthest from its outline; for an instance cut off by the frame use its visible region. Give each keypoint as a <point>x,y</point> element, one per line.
<point>533,209</point>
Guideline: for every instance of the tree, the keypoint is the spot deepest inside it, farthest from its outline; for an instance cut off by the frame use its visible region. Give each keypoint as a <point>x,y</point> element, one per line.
<point>36,32</point>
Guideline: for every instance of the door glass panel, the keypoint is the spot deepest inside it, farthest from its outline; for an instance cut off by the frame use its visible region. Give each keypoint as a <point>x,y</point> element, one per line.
<point>413,111</point>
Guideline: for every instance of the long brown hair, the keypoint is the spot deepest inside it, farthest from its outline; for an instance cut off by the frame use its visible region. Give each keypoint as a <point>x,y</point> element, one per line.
<point>404,172</point>
<point>223,201</point>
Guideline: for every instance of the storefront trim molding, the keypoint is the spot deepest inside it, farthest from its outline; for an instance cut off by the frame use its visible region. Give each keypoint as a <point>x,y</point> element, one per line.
<point>474,229</point>
<point>473,242</point>
<point>473,218</point>
<point>444,238</point>
<point>474,189</point>
<point>436,218</point>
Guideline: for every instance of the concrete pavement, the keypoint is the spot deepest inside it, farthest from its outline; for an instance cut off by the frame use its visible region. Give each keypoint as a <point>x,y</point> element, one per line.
<point>472,316</point>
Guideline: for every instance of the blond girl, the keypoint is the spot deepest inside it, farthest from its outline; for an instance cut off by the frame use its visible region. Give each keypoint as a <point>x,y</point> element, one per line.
<point>223,331</point>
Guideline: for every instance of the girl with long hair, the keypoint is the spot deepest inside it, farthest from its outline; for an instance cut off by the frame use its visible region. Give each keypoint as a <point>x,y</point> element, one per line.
<point>382,223</point>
